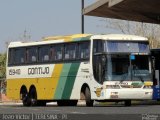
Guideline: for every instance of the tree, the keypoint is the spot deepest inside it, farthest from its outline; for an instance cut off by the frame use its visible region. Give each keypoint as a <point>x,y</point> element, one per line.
<point>2,66</point>
<point>151,31</point>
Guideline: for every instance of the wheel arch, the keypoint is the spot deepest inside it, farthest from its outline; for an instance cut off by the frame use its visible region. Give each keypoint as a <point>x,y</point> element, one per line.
<point>84,86</point>
<point>23,90</point>
<point>33,93</point>
<point>32,87</point>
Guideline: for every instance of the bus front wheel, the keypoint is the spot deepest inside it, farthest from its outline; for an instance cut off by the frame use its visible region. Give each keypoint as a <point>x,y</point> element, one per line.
<point>88,100</point>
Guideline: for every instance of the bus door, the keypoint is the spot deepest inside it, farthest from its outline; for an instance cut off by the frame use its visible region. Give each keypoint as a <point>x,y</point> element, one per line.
<point>156,73</point>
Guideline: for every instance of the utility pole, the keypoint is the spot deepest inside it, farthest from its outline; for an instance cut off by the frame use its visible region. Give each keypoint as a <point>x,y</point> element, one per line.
<point>82,17</point>
<point>25,36</point>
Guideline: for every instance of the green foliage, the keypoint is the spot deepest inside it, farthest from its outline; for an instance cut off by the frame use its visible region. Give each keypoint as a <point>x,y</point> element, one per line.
<point>2,65</point>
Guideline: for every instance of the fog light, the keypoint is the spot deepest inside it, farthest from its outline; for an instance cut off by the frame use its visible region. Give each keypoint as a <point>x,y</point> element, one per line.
<point>147,93</point>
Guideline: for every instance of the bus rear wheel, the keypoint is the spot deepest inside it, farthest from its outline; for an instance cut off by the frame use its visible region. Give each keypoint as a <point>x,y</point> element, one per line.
<point>88,100</point>
<point>24,96</point>
<point>25,99</point>
<point>33,97</point>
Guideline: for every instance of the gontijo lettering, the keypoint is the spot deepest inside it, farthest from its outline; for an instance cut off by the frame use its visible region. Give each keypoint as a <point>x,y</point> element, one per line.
<point>38,70</point>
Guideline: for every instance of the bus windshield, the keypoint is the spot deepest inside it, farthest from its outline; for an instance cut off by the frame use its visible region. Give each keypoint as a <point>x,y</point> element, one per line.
<point>126,47</point>
<point>127,67</point>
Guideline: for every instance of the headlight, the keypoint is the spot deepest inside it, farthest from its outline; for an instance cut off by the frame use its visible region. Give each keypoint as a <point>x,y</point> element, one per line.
<point>112,87</point>
<point>147,87</point>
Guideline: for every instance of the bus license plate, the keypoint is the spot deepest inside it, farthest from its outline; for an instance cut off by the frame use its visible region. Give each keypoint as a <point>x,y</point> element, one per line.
<point>114,96</point>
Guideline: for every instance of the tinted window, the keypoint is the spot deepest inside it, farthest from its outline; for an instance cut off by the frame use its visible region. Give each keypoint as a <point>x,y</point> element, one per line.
<point>98,46</point>
<point>32,55</point>
<point>97,68</point>
<point>11,56</point>
<point>84,50</point>
<point>126,46</point>
<point>19,56</point>
<point>56,52</point>
<point>70,51</point>
<point>44,53</point>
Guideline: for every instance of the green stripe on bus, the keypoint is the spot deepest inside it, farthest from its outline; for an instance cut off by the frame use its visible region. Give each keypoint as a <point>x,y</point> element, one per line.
<point>62,81</point>
<point>70,81</point>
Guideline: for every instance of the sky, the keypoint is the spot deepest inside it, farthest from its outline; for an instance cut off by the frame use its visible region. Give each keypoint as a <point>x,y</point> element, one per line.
<point>42,18</point>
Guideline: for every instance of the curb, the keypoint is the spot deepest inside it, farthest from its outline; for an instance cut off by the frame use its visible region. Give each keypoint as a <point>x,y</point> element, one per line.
<point>50,103</point>
<point>10,103</point>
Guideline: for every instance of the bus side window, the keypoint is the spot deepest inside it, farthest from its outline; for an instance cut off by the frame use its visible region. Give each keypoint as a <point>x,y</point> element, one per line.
<point>84,51</point>
<point>52,50</point>
<point>70,51</point>
<point>11,56</point>
<point>32,55</point>
<point>59,50</point>
<point>98,46</point>
<point>19,56</point>
<point>56,52</point>
<point>44,53</point>
<point>98,70</point>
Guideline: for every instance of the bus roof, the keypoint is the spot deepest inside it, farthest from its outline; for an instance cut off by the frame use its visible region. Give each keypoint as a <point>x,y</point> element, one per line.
<point>103,37</point>
<point>53,39</point>
<point>78,37</point>
<point>67,37</point>
<point>119,37</point>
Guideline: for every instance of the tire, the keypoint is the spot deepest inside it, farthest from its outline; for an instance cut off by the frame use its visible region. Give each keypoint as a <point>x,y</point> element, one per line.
<point>25,99</point>
<point>127,103</point>
<point>33,97</point>
<point>88,100</point>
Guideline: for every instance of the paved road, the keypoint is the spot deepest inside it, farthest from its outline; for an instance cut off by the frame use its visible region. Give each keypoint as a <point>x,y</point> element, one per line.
<point>111,111</point>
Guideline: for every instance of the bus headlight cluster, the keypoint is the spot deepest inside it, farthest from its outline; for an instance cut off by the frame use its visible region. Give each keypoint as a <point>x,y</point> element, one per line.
<point>147,87</point>
<point>112,87</point>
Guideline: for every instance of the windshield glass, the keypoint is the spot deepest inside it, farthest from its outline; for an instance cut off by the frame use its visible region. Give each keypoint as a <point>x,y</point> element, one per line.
<point>140,68</point>
<point>126,47</point>
<point>127,67</point>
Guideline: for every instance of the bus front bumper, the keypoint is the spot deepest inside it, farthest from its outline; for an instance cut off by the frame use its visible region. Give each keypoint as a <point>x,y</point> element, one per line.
<point>135,94</point>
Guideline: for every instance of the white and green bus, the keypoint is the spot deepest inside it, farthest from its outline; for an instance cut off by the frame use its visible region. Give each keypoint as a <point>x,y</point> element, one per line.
<point>86,67</point>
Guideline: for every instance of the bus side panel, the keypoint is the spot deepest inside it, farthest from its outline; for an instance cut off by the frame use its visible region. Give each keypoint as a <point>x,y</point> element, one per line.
<point>66,81</point>
<point>62,81</point>
<point>45,86</point>
<point>82,77</point>
<point>14,86</point>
